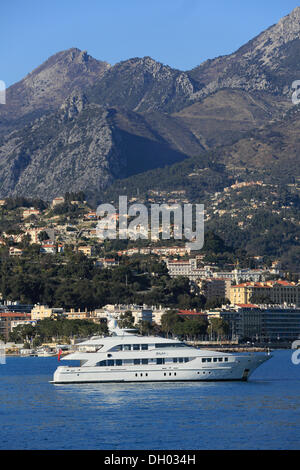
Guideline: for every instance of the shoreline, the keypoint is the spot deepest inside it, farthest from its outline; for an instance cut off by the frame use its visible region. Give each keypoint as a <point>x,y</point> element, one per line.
<point>229,349</point>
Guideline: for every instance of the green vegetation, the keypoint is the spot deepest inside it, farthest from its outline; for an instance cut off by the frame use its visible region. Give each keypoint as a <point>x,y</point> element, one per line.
<point>193,328</point>
<point>12,203</point>
<point>257,220</point>
<point>210,176</point>
<point>58,329</point>
<point>126,320</point>
<point>218,328</point>
<point>73,281</point>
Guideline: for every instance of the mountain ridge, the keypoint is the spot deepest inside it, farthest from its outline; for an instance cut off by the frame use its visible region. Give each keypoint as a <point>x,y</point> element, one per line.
<point>74,114</point>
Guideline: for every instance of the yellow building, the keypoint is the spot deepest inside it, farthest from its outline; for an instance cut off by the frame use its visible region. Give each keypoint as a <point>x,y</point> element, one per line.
<point>77,315</point>
<point>87,250</point>
<point>58,200</point>
<point>39,312</point>
<point>278,292</point>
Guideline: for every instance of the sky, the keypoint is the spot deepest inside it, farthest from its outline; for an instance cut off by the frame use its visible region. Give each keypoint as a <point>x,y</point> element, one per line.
<point>179,33</point>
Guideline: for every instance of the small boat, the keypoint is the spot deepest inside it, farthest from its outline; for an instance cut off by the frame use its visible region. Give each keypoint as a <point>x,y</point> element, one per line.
<point>45,352</point>
<point>27,352</point>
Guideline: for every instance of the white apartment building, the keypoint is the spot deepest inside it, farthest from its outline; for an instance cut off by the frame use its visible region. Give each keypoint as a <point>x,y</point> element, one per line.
<point>188,268</point>
<point>139,313</point>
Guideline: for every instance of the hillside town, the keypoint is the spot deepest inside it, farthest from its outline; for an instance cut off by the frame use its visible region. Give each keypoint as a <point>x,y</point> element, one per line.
<point>257,304</point>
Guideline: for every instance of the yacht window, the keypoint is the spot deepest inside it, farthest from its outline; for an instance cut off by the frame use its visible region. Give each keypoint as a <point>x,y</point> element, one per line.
<point>136,347</point>
<point>144,361</point>
<point>118,362</point>
<point>180,359</point>
<point>127,347</point>
<point>226,359</point>
<point>220,359</point>
<point>101,363</point>
<point>136,361</point>
<point>208,359</point>
<point>110,362</point>
<point>174,359</point>
<point>169,345</point>
<point>144,347</point>
<point>186,359</point>
<point>160,360</point>
<point>215,359</point>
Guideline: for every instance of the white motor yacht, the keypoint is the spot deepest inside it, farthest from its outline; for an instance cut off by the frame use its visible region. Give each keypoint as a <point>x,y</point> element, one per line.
<point>125,357</point>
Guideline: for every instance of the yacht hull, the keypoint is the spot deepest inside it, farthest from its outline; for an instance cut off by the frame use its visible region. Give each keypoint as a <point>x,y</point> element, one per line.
<point>239,369</point>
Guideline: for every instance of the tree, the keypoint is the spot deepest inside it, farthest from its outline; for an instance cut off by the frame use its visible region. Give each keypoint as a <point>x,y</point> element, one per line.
<point>23,333</point>
<point>42,236</point>
<point>170,321</point>
<point>216,302</point>
<point>261,299</point>
<point>126,320</point>
<point>218,327</point>
<point>144,327</point>
<point>191,328</point>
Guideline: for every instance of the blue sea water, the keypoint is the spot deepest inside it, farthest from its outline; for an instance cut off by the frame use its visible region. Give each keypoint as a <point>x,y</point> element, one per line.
<point>263,413</point>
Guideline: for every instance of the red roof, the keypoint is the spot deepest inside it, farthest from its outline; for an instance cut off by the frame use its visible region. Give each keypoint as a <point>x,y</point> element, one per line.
<point>190,312</point>
<point>285,283</point>
<point>266,284</point>
<point>247,305</point>
<point>252,284</point>
<point>14,314</point>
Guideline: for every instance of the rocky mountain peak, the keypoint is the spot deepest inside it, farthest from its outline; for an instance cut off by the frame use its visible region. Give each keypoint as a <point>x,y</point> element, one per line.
<point>270,41</point>
<point>47,86</point>
<point>293,16</point>
<point>79,123</point>
<point>73,105</point>
<point>269,62</point>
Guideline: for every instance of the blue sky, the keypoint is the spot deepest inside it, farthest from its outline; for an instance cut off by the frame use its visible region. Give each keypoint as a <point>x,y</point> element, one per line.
<point>180,33</point>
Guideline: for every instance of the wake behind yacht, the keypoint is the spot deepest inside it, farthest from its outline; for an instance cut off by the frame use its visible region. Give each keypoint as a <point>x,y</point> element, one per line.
<point>126,357</point>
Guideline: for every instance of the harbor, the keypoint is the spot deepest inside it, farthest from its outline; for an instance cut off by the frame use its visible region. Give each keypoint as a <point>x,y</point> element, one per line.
<point>19,351</point>
<point>262,413</point>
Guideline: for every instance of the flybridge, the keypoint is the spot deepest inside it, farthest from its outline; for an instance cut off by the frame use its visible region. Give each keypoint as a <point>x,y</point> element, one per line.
<point>188,222</point>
